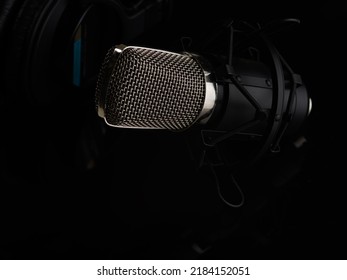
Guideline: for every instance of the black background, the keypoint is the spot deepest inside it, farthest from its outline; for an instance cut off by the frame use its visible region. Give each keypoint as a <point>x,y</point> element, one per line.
<point>143,197</point>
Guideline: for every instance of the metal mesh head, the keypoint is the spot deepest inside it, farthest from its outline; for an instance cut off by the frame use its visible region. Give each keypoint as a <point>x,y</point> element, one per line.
<point>150,88</point>
<point>104,75</point>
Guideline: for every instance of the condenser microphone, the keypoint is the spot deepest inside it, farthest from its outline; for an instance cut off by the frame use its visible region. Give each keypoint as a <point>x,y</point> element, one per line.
<point>147,88</point>
<point>154,89</point>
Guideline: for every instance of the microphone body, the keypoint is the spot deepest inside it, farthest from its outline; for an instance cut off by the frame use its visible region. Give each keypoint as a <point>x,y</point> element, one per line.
<point>154,89</point>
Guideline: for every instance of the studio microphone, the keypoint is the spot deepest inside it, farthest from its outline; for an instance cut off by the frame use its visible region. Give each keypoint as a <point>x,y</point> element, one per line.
<point>148,88</point>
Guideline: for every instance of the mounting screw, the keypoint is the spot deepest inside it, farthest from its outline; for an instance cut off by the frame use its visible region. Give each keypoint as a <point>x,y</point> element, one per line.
<point>268,83</point>
<point>277,117</point>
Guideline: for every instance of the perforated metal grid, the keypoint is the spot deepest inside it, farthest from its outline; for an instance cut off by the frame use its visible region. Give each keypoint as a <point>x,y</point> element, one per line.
<point>103,78</point>
<point>154,89</point>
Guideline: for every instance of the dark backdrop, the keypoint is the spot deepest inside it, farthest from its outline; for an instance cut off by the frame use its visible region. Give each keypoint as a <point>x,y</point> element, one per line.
<point>71,188</point>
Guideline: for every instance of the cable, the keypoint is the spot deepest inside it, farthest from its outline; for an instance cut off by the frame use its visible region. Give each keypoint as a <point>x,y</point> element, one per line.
<point>222,162</point>
<point>220,192</point>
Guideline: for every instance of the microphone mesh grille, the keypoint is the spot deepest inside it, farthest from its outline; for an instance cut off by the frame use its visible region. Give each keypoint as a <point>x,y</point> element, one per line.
<point>103,78</point>
<point>154,89</point>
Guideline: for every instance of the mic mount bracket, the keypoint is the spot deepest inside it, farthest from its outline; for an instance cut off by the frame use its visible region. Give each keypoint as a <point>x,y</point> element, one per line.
<point>275,117</point>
